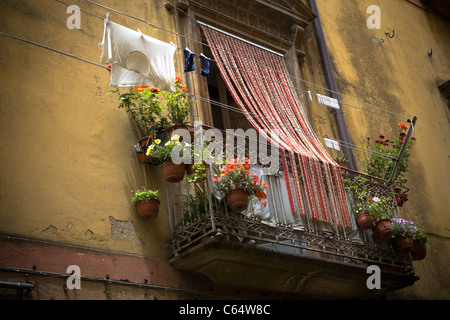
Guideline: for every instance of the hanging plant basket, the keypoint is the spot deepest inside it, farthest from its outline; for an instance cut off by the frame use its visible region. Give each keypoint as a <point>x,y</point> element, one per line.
<point>364,220</point>
<point>144,143</point>
<point>383,229</point>
<point>419,251</point>
<point>173,172</point>
<point>403,244</point>
<point>237,200</point>
<point>148,210</point>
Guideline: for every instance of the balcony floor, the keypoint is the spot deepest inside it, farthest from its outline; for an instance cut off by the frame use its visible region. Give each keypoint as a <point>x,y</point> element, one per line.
<point>249,265</point>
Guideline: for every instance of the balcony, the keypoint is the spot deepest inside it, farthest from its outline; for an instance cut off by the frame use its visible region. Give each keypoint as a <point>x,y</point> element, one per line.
<point>271,249</point>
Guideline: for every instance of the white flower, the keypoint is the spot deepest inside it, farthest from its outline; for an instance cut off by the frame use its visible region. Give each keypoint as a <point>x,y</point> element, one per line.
<point>157,141</point>
<point>150,149</point>
<point>376,199</point>
<point>175,137</point>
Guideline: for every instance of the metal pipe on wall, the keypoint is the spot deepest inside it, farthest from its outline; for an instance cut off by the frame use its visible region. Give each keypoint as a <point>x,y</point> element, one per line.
<point>331,82</point>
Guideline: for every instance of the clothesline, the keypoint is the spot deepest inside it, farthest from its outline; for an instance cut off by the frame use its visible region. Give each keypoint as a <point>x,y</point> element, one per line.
<point>354,147</point>
<point>403,118</point>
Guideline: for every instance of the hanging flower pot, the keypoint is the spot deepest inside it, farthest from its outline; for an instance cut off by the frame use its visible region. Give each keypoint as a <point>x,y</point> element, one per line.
<point>148,210</point>
<point>383,229</point>
<point>237,200</point>
<point>146,202</point>
<point>364,220</point>
<point>190,168</point>
<point>173,172</point>
<point>403,244</point>
<point>419,251</point>
<point>143,143</point>
<point>170,130</point>
<point>196,172</point>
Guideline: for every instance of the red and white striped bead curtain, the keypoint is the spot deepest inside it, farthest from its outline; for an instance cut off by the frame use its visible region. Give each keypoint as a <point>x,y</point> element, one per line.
<point>260,84</point>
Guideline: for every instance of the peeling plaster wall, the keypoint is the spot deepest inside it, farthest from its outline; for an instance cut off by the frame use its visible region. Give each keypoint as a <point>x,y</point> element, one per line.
<point>67,157</point>
<point>399,76</point>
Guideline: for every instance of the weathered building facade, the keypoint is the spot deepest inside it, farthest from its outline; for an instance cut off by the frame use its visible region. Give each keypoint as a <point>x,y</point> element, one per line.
<point>69,159</point>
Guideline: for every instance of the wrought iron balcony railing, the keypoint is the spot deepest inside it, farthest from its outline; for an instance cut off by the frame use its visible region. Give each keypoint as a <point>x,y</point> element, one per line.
<point>199,214</point>
<point>274,226</point>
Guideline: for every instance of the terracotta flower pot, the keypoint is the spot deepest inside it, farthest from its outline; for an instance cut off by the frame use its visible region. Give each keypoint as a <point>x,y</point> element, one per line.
<point>148,210</point>
<point>418,252</point>
<point>144,144</point>
<point>173,172</point>
<point>364,220</point>
<point>174,127</point>
<point>237,200</point>
<point>383,229</point>
<point>190,168</point>
<point>403,244</point>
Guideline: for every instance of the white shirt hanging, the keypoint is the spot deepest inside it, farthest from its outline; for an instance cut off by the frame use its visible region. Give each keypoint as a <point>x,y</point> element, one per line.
<point>137,59</point>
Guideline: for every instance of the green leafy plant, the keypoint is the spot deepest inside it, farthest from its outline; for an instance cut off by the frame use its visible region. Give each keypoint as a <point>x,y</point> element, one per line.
<point>165,152</point>
<point>419,235</point>
<point>377,207</point>
<point>381,162</point>
<point>196,206</point>
<point>365,200</point>
<point>144,195</point>
<point>341,159</point>
<point>402,227</point>
<point>178,103</point>
<point>199,173</point>
<point>146,106</point>
<point>235,175</point>
<point>143,105</point>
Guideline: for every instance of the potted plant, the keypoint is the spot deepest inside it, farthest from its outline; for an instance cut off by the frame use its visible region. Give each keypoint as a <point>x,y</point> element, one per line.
<point>196,172</point>
<point>164,152</point>
<point>341,161</point>
<point>378,208</point>
<point>178,105</point>
<point>402,235</point>
<point>420,244</point>
<point>196,206</point>
<point>144,107</point>
<point>239,186</point>
<point>381,161</point>
<point>357,186</point>
<point>146,202</point>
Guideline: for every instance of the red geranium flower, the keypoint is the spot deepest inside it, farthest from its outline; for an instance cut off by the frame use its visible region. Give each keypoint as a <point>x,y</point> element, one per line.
<point>403,125</point>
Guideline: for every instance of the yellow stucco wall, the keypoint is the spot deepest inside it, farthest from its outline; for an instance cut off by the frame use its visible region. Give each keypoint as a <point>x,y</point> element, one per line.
<point>400,77</point>
<point>67,157</point>
<point>68,164</point>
